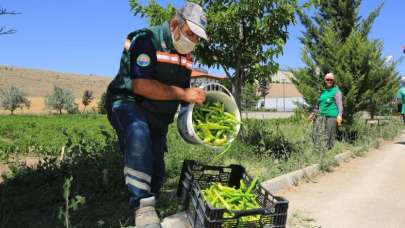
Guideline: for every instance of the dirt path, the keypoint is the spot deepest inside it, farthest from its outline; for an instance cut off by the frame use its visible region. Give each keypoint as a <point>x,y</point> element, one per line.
<point>366,192</point>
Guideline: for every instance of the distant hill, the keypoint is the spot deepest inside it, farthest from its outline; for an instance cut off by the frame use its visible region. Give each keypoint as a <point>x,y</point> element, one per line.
<point>39,83</point>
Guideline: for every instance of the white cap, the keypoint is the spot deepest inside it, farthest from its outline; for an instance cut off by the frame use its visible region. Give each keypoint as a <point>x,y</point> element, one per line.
<point>196,18</point>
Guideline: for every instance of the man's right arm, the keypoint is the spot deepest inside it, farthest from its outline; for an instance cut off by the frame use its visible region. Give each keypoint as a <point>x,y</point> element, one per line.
<point>156,90</point>
<point>143,67</point>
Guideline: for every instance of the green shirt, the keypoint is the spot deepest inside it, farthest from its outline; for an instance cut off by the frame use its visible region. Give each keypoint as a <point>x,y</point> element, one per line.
<point>327,102</point>
<point>151,56</point>
<point>401,97</point>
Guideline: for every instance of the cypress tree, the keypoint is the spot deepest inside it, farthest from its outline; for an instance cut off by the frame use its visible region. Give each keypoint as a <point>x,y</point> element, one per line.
<point>337,40</point>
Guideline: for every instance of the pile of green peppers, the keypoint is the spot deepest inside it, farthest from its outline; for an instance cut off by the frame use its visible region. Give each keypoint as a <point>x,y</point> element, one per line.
<point>232,199</point>
<point>212,124</point>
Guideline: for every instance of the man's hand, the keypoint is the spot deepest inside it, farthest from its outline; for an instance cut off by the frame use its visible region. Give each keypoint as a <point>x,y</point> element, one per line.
<point>339,120</point>
<point>194,95</point>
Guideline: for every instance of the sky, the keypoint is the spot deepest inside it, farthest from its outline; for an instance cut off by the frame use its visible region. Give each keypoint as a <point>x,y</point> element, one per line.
<point>87,36</point>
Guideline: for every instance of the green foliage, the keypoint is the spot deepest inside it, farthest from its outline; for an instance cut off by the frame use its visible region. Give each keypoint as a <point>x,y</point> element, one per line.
<point>245,36</point>
<point>74,109</point>
<point>336,40</point>
<point>98,178</point>
<point>269,142</point>
<point>13,98</point>
<point>388,109</point>
<point>155,13</point>
<point>45,135</point>
<point>249,97</point>
<point>60,99</point>
<point>102,109</point>
<point>71,204</point>
<point>95,163</point>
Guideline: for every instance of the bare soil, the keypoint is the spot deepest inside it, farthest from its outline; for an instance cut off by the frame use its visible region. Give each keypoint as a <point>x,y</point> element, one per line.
<point>39,83</point>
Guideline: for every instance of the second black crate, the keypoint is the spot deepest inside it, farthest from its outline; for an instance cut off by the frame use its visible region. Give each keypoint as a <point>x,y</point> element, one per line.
<point>196,177</point>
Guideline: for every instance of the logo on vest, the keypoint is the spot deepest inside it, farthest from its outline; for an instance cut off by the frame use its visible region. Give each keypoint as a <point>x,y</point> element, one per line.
<point>143,60</point>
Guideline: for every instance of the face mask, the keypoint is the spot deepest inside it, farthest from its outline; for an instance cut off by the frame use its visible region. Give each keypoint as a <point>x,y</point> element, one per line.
<point>183,45</point>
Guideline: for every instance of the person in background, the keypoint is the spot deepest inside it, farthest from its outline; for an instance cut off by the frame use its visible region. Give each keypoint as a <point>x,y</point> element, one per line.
<point>401,97</point>
<point>329,112</point>
<point>153,79</point>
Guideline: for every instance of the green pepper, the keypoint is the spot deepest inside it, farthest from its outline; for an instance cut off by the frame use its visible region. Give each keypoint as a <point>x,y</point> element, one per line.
<point>252,185</point>
<point>220,142</point>
<point>220,196</point>
<point>212,124</point>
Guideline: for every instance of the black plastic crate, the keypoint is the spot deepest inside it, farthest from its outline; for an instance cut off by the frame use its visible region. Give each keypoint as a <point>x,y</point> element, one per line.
<point>196,177</point>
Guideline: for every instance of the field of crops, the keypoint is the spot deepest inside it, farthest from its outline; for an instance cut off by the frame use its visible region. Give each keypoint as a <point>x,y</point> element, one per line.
<point>45,135</point>
<point>267,148</point>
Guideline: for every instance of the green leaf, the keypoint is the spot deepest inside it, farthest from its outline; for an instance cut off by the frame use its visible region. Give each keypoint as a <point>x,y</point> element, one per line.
<point>243,34</point>
<point>336,40</point>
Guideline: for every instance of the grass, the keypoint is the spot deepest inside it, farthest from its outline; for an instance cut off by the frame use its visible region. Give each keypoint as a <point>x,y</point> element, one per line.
<point>31,197</point>
<point>45,135</point>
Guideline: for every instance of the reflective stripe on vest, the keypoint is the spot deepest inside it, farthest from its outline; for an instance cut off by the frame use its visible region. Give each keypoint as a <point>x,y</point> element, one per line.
<point>165,57</point>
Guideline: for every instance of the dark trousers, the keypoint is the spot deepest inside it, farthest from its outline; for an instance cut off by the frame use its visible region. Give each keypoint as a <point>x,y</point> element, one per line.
<point>143,148</point>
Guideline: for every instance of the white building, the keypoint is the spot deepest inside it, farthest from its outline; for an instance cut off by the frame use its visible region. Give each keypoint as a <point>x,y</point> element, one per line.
<point>282,95</point>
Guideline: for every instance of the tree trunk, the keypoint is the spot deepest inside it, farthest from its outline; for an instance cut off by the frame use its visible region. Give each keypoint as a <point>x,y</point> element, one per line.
<point>372,112</point>
<point>264,102</point>
<point>237,90</point>
<point>12,112</point>
<point>60,111</point>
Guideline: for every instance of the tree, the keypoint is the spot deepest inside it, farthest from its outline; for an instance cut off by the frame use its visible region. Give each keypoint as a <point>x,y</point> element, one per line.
<point>87,98</point>
<point>245,36</point>
<point>336,40</point>
<point>249,96</point>
<point>74,109</point>
<point>102,104</point>
<point>60,99</point>
<point>13,98</point>
<point>4,30</point>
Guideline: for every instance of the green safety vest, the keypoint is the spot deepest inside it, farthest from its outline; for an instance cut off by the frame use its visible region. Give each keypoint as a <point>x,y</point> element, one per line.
<point>401,96</point>
<point>327,102</point>
<point>171,69</point>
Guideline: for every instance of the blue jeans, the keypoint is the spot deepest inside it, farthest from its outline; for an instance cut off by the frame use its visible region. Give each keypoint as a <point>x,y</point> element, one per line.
<point>143,148</point>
